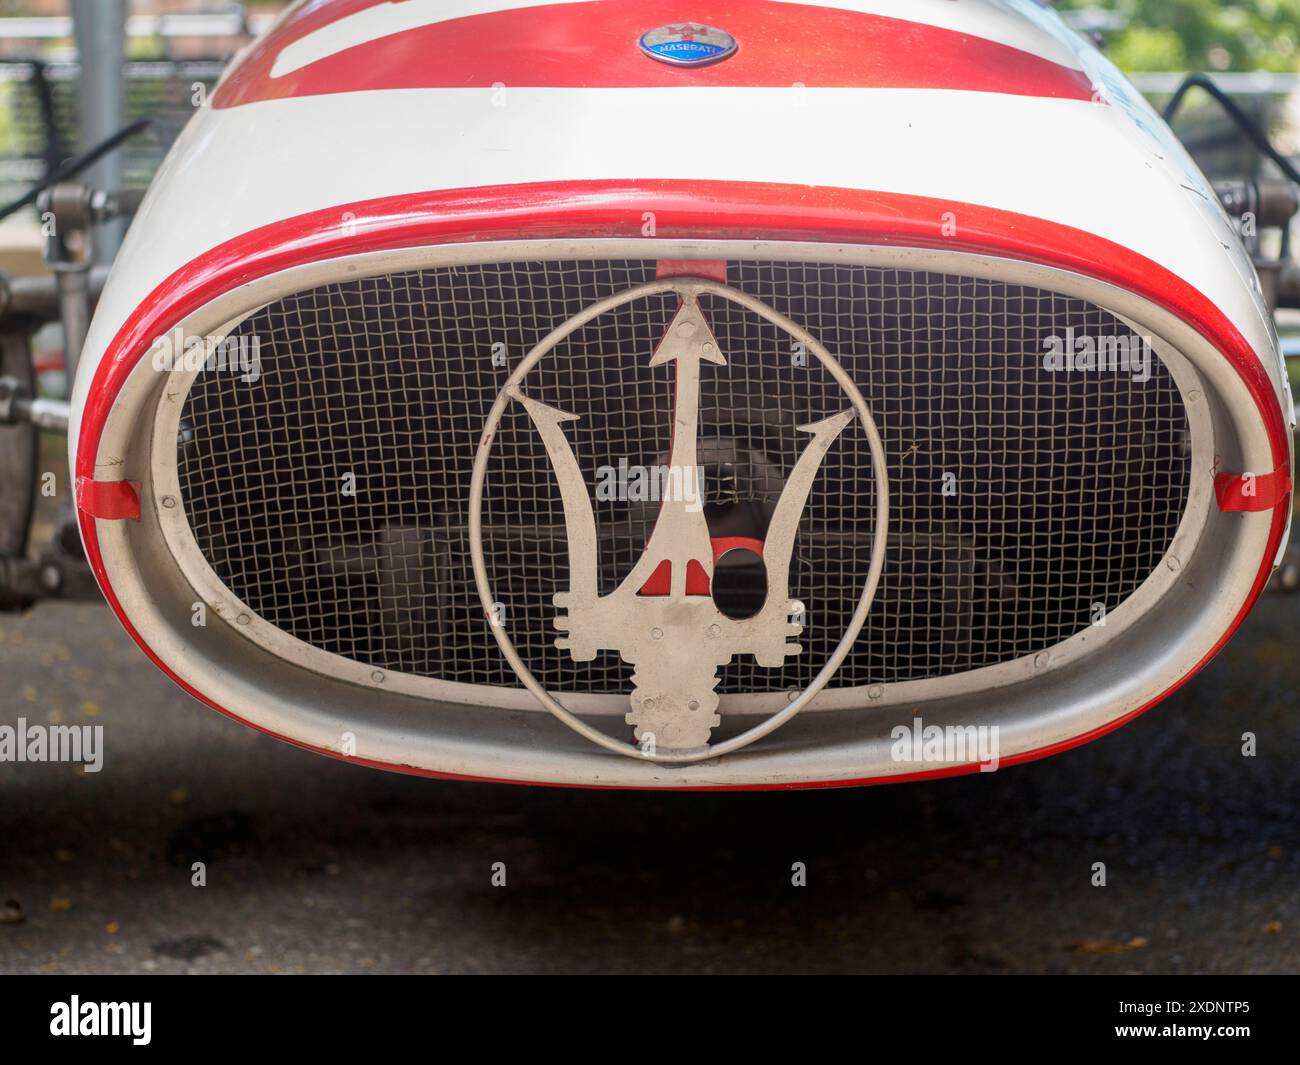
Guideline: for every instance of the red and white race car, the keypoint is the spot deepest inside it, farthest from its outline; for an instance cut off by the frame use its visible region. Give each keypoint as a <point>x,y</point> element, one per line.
<point>727,394</point>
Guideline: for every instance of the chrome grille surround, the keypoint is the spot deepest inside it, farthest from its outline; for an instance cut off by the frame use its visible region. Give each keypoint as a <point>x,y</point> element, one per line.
<point>1083,686</point>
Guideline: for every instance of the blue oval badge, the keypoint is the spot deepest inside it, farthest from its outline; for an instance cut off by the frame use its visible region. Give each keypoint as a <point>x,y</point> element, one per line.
<point>688,44</point>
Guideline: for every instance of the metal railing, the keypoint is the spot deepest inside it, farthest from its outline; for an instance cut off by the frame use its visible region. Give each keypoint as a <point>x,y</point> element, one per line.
<point>39,115</point>
<point>232,22</point>
<point>39,119</point>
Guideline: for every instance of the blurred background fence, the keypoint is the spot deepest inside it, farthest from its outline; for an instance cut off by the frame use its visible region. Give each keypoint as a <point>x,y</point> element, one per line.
<point>175,52</point>
<point>39,114</point>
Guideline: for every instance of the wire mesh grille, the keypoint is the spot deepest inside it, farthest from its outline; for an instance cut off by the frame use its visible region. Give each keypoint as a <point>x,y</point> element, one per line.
<point>330,493</point>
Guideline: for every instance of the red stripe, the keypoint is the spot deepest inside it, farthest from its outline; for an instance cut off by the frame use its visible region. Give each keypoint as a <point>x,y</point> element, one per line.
<point>594,45</point>
<point>1252,492</point>
<point>684,210</point>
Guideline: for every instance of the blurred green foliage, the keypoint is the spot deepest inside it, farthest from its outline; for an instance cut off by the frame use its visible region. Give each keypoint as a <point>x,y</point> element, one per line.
<point>1205,35</point>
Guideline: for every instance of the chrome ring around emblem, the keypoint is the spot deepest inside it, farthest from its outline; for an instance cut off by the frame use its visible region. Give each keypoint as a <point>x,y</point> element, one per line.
<point>672,661</point>
<point>688,44</point>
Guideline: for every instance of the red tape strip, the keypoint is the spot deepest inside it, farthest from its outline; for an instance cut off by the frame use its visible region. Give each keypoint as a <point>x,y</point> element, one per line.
<point>110,500</point>
<point>713,269</point>
<point>1252,492</point>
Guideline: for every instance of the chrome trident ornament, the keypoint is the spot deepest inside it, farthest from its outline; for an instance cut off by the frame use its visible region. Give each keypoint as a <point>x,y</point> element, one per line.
<point>662,619</point>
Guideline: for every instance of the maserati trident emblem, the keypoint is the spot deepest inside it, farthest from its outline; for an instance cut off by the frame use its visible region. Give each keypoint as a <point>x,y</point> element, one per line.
<point>662,619</point>
<point>688,44</point>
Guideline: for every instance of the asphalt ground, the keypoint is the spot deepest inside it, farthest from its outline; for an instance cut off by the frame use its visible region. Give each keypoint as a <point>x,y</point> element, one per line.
<point>314,865</point>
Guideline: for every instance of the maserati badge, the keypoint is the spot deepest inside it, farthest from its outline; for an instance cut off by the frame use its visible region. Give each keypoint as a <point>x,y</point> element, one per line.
<point>688,44</point>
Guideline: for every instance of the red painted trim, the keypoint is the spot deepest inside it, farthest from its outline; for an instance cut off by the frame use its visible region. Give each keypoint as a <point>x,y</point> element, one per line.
<point>1251,492</point>
<point>694,209</point>
<point>723,544</point>
<point>697,581</point>
<point>595,46</point>
<point>660,582</point>
<point>712,269</point>
<point>109,500</point>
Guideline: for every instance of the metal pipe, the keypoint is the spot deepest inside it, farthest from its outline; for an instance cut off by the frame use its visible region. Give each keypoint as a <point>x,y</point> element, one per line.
<point>37,298</point>
<point>51,414</point>
<point>19,407</point>
<point>100,29</point>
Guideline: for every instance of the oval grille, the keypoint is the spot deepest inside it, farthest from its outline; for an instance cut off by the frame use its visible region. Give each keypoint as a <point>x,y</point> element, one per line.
<point>329,494</point>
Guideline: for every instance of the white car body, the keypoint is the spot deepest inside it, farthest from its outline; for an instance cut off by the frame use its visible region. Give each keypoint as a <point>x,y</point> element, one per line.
<point>1031,159</point>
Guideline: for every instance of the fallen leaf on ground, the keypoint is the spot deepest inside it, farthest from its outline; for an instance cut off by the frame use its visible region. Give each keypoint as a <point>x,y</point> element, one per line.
<point>1107,946</point>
